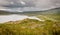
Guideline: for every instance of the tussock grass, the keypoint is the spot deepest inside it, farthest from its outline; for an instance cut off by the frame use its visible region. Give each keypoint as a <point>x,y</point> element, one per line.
<point>30,27</point>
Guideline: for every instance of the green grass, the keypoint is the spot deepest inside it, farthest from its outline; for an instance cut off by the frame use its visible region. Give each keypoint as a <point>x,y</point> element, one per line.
<point>51,25</point>
<point>50,17</point>
<point>30,27</point>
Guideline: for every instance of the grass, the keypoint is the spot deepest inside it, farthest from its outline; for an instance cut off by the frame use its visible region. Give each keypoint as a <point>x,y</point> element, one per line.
<point>30,27</point>
<point>51,25</point>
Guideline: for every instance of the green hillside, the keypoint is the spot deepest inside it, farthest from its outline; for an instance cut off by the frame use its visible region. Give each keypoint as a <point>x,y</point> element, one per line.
<point>45,12</point>
<point>30,27</point>
<point>55,11</point>
<point>51,25</point>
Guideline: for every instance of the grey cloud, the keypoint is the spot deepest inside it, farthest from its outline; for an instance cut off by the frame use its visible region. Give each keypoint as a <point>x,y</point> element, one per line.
<point>16,3</point>
<point>35,4</point>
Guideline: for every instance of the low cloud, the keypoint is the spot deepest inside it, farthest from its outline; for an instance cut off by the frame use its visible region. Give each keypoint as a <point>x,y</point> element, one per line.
<point>35,4</point>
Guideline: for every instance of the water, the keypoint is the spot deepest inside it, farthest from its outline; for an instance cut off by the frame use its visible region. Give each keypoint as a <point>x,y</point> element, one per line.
<point>15,17</point>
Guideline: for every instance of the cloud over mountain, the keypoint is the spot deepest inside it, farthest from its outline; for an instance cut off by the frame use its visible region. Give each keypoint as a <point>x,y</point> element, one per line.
<point>42,4</point>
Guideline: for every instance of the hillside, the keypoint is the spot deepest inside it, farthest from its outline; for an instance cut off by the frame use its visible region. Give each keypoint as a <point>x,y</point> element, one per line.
<point>4,12</point>
<point>55,11</point>
<point>30,27</point>
<point>51,25</point>
<point>50,11</point>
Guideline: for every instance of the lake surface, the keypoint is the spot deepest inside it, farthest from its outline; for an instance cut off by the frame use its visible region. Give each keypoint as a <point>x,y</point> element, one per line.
<point>15,17</point>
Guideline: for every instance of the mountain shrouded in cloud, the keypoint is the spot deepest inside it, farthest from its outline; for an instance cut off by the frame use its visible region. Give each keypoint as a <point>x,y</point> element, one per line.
<point>28,5</point>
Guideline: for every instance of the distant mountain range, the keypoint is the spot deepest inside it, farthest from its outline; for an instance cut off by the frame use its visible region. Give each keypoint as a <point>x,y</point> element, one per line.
<point>51,11</point>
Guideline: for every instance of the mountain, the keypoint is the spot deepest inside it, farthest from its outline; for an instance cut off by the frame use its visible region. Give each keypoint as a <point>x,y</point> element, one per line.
<point>4,12</point>
<point>51,11</point>
<point>55,10</point>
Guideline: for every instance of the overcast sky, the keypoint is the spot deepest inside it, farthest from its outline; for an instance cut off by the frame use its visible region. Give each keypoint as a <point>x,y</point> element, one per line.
<point>30,4</point>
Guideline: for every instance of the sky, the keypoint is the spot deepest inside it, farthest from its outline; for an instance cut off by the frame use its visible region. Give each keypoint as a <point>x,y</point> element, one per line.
<point>28,5</point>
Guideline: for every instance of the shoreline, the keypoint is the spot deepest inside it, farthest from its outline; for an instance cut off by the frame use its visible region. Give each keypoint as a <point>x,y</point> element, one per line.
<point>15,17</point>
